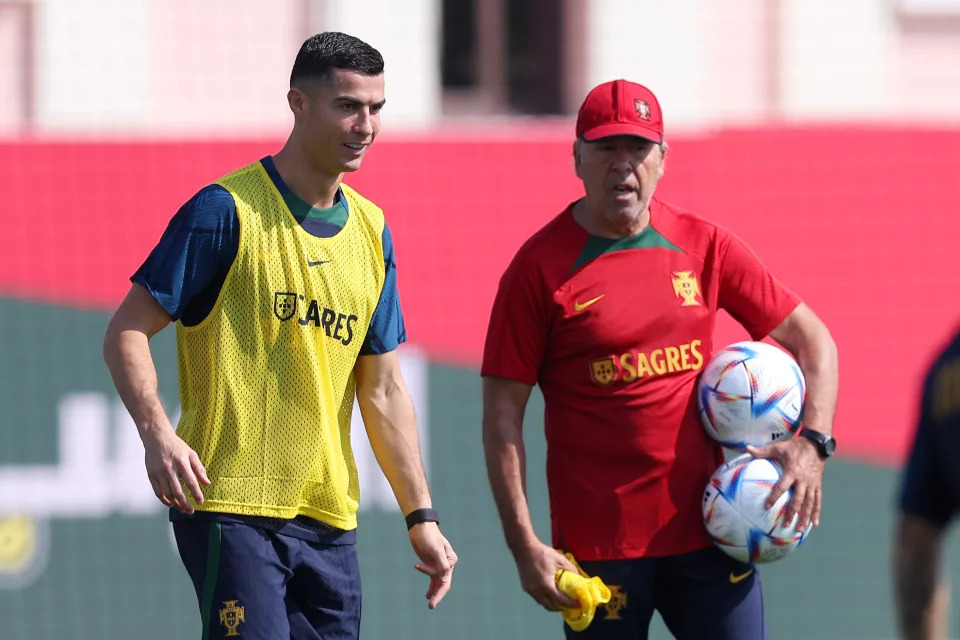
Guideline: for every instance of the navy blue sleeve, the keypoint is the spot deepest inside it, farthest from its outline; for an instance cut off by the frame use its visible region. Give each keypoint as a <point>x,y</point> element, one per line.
<point>387,330</point>
<point>187,268</point>
<point>925,491</point>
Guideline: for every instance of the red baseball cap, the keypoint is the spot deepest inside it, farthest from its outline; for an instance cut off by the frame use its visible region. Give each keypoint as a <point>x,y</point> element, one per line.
<point>620,108</point>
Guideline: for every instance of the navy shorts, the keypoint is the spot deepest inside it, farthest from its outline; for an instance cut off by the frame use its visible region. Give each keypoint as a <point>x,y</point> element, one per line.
<point>258,584</point>
<point>703,594</point>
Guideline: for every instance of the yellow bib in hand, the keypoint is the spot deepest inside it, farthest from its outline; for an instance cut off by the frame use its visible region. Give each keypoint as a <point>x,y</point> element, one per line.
<point>588,592</point>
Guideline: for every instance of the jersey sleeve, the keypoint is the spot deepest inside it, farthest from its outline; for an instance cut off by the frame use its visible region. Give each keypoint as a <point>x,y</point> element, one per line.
<point>748,291</point>
<point>387,329</point>
<point>517,332</point>
<point>188,266</point>
<point>924,488</point>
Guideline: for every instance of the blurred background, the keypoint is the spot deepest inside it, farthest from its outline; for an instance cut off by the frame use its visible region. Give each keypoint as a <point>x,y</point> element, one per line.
<point>826,133</point>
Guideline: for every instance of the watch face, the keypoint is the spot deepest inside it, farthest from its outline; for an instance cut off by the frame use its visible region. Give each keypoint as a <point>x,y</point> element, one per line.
<point>830,446</point>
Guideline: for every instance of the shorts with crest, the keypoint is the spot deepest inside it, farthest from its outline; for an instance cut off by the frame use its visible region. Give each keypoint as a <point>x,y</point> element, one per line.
<point>699,595</point>
<point>260,578</point>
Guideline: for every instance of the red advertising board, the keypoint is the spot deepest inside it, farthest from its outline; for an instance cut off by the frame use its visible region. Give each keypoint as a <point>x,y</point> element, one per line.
<point>862,223</point>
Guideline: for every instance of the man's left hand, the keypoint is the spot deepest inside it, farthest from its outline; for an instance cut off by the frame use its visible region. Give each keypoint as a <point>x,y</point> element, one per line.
<point>802,472</point>
<point>437,559</point>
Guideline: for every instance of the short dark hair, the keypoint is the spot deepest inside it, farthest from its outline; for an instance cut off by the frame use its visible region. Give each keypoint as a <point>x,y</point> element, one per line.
<point>330,50</point>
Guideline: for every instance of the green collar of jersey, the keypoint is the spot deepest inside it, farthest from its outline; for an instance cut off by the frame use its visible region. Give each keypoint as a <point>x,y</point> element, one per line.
<point>337,214</point>
<point>596,246</point>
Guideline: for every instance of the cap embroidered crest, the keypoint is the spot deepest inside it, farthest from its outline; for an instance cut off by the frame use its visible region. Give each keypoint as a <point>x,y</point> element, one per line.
<point>643,109</point>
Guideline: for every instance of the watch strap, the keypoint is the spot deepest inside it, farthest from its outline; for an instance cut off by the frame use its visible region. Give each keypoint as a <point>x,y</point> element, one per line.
<point>419,516</point>
<point>820,440</point>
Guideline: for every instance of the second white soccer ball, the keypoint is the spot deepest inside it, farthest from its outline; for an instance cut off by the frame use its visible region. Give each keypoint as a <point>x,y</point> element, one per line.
<point>734,515</point>
<point>751,393</point>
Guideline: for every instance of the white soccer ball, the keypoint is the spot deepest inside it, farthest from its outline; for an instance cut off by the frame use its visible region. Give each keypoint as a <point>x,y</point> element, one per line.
<point>734,516</point>
<point>751,393</point>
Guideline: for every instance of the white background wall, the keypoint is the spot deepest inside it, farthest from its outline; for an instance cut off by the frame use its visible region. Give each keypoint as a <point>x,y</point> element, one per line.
<point>93,63</point>
<point>221,67</point>
<point>837,58</point>
<point>656,44</point>
<point>407,33</point>
<point>11,73</point>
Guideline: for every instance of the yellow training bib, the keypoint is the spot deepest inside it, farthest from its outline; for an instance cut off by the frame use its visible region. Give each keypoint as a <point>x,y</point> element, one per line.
<point>266,380</point>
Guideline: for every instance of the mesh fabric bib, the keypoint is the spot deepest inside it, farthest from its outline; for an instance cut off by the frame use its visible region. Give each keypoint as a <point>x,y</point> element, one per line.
<point>266,380</point>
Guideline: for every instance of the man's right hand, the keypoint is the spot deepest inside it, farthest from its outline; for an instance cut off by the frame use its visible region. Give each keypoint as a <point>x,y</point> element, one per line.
<point>538,566</point>
<point>169,460</point>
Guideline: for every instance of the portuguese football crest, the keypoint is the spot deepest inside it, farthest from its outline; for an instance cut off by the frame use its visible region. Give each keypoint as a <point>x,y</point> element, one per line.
<point>284,305</point>
<point>603,371</point>
<point>230,617</point>
<point>685,286</point>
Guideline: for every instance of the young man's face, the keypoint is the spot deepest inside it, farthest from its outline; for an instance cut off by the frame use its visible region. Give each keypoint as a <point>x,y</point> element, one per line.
<point>339,119</point>
<point>620,173</point>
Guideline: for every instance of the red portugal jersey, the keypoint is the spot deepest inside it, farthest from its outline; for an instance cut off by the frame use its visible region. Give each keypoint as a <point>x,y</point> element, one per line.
<point>615,333</point>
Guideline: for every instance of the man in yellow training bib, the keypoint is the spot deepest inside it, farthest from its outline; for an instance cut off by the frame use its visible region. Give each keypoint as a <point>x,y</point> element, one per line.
<point>282,283</point>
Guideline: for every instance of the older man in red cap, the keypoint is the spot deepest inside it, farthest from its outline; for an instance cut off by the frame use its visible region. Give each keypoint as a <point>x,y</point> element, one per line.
<point>611,308</point>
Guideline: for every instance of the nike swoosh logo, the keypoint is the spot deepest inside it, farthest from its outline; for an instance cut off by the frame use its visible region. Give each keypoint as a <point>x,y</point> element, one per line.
<point>316,263</point>
<point>580,306</point>
<point>734,578</point>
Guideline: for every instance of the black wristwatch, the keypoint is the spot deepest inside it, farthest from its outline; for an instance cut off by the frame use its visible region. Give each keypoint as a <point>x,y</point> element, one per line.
<point>825,444</point>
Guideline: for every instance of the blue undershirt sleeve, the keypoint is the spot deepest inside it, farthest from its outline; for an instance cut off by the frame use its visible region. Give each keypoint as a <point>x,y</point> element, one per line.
<point>188,266</point>
<point>387,330</point>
